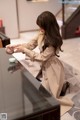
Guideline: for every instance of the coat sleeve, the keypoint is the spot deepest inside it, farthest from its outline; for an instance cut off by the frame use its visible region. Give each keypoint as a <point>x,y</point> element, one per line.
<point>49,51</point>
<point>32,44</point>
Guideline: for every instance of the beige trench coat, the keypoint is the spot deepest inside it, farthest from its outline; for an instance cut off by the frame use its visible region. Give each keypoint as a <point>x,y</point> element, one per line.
<point>52,70</point>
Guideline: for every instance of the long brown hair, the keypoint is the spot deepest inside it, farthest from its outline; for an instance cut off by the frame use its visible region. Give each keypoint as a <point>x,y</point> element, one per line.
<point>47,21</point>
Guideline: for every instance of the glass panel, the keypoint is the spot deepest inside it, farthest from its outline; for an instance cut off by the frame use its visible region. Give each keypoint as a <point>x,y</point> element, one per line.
<point>70,8</point>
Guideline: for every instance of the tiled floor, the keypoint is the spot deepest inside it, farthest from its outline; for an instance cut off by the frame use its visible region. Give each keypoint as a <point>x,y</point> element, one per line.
<point>71,54</point>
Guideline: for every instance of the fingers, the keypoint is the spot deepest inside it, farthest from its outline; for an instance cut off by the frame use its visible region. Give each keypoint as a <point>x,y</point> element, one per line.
<point>14,48</point>
<point>19,49</point>
<point>8,46</point>
<point>11,48</point>
<point>9,51</point>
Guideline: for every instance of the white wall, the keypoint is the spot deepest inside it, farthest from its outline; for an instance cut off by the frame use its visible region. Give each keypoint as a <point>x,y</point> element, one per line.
<point>28,12</point>
<point>9,16</point>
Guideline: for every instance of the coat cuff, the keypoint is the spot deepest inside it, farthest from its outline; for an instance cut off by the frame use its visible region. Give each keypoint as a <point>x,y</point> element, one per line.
<point>29,53</point>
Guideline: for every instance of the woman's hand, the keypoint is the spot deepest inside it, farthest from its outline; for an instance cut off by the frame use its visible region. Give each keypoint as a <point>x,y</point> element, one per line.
<point>19,49</point>
<point>10,48</point>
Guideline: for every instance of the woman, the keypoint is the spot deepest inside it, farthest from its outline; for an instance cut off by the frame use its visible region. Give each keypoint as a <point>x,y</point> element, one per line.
<point>49,42</point>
